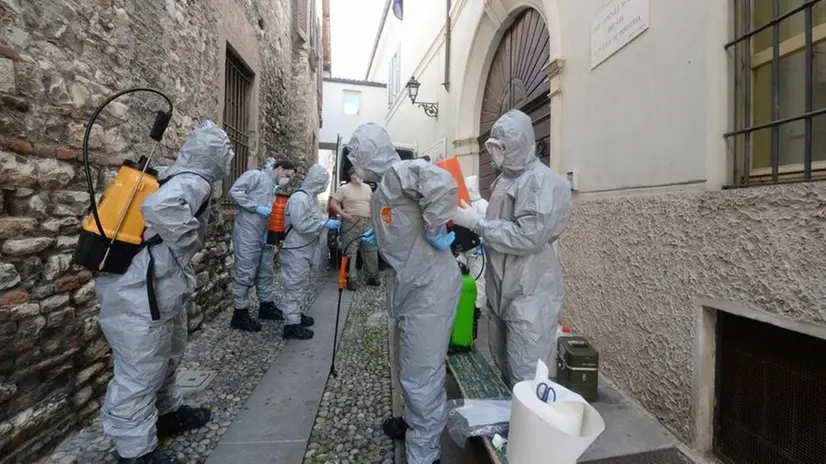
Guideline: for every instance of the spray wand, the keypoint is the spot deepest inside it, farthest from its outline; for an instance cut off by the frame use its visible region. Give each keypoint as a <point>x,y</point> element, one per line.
<point>342,282</point>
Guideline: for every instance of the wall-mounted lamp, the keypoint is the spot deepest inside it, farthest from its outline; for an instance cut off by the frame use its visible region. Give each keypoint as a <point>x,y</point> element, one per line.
<point>430,109</point>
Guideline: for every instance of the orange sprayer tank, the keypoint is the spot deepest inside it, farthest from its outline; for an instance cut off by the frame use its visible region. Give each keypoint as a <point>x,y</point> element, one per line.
<point>121,220</point>
<point>277,229</point>
<point>451,165</point>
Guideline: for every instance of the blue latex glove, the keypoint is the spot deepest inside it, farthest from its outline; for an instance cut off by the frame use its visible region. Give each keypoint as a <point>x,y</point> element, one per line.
<point>369,238</point>
<point>441,240</point>
<point>332,224</point>
<point>263,211</point>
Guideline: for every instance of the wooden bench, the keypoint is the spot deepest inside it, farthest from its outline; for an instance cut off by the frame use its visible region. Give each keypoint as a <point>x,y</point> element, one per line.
<point>478,380</point>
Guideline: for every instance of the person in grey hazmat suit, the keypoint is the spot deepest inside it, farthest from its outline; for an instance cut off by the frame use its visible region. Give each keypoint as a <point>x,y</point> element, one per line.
<point>530,206</point>
<point>143,312</point>
<point>410,208</point>
<point>305,222</point>
<point>254,193</point>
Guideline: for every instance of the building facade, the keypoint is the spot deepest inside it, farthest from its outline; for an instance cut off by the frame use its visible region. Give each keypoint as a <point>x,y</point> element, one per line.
<point>693,136</point>
<point>349,104</point>
<point>254,67</point>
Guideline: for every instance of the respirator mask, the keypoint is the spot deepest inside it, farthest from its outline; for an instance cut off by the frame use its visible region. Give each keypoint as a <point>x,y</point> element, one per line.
<point>496,148</point>
<point>283,181</point>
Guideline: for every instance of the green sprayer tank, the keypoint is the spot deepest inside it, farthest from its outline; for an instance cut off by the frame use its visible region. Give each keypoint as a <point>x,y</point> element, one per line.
<point>461,339</point>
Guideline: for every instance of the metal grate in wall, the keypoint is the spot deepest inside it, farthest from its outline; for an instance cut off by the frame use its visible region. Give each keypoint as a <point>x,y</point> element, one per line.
<point>237,87</point>
<point>771,394</point>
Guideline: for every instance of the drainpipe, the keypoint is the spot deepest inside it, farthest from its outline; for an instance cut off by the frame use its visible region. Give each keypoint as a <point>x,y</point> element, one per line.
<point>325,36</point>
<point>446,83</point>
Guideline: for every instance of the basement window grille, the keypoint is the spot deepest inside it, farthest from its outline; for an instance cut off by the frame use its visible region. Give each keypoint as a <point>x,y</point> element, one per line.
<point>779,91</point>
<point>238,89</point>
<point>771,394</point>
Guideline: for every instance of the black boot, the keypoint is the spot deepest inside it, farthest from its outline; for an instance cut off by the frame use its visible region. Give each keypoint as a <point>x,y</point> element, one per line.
<point>296,332</point>
<point>269,311</point>
<point>241,320</point>
<point>307,321</point>
<point>352,285</point>
<point>395,428</point>
<point>373,281</point>
<point>155,457</point>
<point>178,422</point>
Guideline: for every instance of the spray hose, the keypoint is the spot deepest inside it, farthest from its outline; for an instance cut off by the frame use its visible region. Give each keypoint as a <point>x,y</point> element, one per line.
<point>161,122</point>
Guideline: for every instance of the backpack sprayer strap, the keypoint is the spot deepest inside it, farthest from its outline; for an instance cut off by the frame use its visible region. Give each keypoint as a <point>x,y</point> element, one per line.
<point>154,310</point>
<point>290,227</point>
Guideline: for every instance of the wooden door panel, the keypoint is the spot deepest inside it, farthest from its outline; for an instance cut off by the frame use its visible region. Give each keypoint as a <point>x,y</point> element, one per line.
<point>517,80</point>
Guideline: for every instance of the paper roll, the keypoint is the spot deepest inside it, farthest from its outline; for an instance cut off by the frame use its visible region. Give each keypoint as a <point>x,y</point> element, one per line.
<point>550,434</point>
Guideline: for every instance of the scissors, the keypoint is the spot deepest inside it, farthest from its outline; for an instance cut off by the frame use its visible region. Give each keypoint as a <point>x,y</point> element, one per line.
<point>543,390</point>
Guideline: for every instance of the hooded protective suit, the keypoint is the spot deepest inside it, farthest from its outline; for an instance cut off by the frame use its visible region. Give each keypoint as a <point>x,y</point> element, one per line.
<point>305,222</point>
<point>254,259</point>
<point>146,352</point>
<point>530,206</point>
<point>413,198</point>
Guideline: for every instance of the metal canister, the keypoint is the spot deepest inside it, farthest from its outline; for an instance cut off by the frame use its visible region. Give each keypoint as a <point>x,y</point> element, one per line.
<point>577,366</point>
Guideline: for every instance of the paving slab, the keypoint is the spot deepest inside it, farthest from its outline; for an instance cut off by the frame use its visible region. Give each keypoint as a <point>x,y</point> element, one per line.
<point>278,417</point>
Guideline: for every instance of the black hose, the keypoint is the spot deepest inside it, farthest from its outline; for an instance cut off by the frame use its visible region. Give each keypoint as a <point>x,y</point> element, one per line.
<point>93,206</point>
<point>484,261</point>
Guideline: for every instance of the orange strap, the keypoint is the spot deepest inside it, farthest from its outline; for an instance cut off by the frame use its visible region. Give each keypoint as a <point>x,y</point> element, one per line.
<point>342,273</point>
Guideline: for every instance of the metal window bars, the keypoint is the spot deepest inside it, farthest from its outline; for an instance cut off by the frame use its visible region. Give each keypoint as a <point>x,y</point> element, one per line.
<point>237,87</point>
<point>743,89</point>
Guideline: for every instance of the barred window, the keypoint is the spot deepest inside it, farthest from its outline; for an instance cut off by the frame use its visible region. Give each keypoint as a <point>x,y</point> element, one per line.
<point>780,91</point>
<point>237,89</point>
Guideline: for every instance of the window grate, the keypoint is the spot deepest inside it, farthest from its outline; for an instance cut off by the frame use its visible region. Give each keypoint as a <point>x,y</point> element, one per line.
<point>771,394</point>
<point>750,135</point>
<point>237,88</point>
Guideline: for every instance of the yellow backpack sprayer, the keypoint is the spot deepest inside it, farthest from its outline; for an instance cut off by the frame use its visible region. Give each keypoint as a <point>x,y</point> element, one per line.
<point>112,233</point>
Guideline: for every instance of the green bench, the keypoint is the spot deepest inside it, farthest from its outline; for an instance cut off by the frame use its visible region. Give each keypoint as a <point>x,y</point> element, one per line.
<point>478,380</point>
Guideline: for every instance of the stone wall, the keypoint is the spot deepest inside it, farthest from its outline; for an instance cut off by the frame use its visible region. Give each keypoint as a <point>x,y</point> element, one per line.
<point>636,265</point>
<point>58,60</point>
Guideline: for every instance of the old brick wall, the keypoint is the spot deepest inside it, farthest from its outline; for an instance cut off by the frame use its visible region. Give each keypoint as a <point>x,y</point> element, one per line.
<point>58,60</point>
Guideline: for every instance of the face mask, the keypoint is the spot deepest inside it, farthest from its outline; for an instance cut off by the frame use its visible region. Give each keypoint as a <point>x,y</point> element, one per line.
<point>283,181</point>
<point>497,152</point>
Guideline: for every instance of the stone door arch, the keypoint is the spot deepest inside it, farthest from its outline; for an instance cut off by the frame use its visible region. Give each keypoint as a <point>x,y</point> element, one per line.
<point>517,79</point>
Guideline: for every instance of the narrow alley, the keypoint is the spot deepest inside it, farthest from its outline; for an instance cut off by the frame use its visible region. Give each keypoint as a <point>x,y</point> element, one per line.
<point>633,192</point>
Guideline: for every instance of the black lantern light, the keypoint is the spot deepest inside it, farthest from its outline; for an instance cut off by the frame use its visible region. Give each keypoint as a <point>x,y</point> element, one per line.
<point>430,109</point>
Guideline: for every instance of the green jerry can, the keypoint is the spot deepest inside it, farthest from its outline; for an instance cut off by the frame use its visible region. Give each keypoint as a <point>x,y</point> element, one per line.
<point>577,366</point>
<point>464,325</point>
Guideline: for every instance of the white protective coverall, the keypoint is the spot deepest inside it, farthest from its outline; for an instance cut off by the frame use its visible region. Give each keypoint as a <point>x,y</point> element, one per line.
<point>146,352</point>
<point>413,198</point>
<point>530,206</point>
<point>299,253</point>
<point>254,259</point>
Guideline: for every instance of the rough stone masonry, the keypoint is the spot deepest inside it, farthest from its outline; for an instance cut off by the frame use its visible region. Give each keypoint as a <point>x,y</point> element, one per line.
<point>58,60</point>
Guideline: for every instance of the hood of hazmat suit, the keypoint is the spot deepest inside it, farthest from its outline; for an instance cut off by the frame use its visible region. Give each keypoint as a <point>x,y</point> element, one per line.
<point>146,352</point>
<point>254,259</point>
<point>371,152</point>
<point>413,198</point>
<point>530,206</point>
<point>305,223</point>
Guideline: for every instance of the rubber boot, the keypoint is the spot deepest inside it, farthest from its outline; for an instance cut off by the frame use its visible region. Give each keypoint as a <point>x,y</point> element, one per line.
<point>269,311</point>
<point>178,422</point>
<point>395,428</point>
<point>352,285</point>
<point>373,281</point>
<point>155,457</point>
<point>296,332</point>
<point>241,320</point>
<point>307,321</point>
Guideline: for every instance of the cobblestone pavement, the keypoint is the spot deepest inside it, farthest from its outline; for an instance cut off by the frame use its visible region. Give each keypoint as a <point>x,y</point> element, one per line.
<point>347,429</point>
<point>239,359</point>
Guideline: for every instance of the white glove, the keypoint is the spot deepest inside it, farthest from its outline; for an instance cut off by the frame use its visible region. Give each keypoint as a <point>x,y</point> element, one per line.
<point>466,216</point>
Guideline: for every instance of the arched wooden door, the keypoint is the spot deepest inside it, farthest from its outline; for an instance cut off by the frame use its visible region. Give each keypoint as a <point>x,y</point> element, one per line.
<point>517,80</point>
